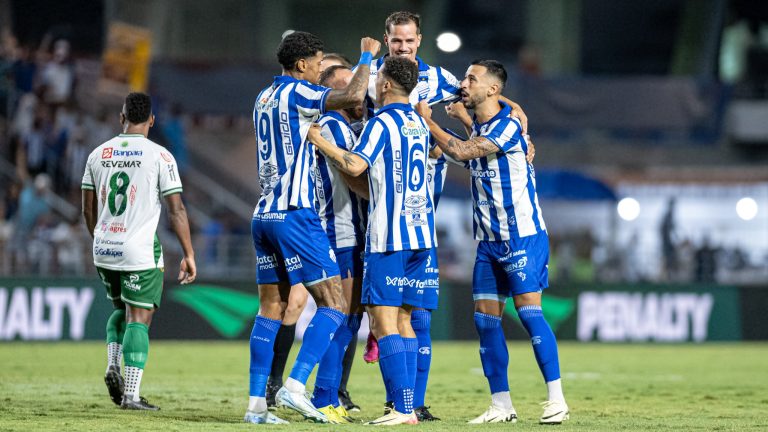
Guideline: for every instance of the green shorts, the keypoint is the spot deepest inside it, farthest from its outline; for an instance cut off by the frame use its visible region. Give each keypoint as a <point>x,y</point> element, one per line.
<point>140,288</point>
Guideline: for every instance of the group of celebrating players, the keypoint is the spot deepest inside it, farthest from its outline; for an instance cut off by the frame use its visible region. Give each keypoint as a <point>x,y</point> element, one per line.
<point>351,167</point>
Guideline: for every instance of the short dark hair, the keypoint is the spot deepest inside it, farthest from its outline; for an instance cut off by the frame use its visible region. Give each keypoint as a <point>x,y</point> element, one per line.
<point>296,46</point>
<point>402,71</point>
<point>494,68</point>
<point>138,107</point>
<point>402,17</point>
<point>328,73</point>
<point>341,58</point>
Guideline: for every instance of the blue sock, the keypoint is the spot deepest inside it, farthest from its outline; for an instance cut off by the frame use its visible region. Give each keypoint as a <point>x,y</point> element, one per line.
<point>411,351</point>
<point>262,340</point>
<point>493,351</point>
<point>421,320</point>
<point>329,371</point>
<point>387,383</point>
<point>542,339</point>
<point>392,358</point>
<point>317,338</point>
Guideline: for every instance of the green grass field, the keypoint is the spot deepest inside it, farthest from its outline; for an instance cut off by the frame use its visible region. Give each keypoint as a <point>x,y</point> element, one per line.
<point>202,386</point>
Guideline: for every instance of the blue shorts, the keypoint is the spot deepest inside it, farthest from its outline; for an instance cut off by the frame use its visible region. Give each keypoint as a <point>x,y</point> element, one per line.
<point>292,246</point>
<point>427,298</point>
<point>350,260</point>
<point>509,268</point>
<point>396,278</point>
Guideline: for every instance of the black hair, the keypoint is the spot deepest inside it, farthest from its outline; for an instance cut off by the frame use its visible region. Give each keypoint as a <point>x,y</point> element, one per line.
<point>341,58</point>
<point>400,18</point>
<point>402,71</point>
<point>138,108</point>
<point>494,68</point>
<point>296,46</point>
<point>328,74</point>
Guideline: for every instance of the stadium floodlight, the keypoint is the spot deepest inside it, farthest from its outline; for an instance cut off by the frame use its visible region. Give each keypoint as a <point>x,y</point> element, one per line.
<point>448,42</point>
<point>628,208</point>
<point>746,208</point>
<point>286,33</point>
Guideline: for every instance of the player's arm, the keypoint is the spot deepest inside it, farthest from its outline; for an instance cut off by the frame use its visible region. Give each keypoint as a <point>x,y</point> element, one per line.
<point>457,111</point>
<point>90,210</point>
<point>177,215</point>
<point>461,150</point>
<point>344,160</point>
<point>358,184</point>
<point>355,92</point>
<point>517,111</point>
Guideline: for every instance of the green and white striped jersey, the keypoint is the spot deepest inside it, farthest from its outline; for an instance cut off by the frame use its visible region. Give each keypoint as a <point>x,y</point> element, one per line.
<point>130,175</point>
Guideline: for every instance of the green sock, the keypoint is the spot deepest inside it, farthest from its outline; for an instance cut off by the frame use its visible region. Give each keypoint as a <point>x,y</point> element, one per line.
<point>136,345</point>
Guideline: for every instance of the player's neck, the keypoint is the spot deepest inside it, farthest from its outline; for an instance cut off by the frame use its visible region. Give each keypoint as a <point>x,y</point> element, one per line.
<point>393,98</point>
<point>487,110</point>
<point>294,74</point>
<point>139,129</point>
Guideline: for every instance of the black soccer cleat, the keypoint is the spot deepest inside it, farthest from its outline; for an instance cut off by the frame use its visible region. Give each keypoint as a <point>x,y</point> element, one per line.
<point>141,405</point>
<point>115,384</point>
<point>272,389</point>
<point>423,414</point>
<point>346,401</point>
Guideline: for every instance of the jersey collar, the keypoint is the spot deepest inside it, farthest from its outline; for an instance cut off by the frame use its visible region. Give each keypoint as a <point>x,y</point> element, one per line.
<point>337,115</point>
<point>506,110</point>
<point>400,106</point>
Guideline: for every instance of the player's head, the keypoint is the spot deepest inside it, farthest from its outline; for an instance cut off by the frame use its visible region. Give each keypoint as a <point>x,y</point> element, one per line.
<point>402,34</point>
<point>398,76</point>
<point>137,110</point>
<point>332,59</point>
<point>301,52</point>
<point>338,77</point>
<point>484,79</point>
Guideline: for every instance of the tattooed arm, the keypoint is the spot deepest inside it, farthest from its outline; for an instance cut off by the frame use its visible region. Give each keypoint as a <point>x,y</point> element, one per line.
<point>354,94</point>
<point>459,150</point>
<point>345,161</point>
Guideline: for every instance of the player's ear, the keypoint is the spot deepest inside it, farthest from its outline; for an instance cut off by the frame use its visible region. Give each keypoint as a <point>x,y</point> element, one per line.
<point>151,120</point>
<point>386,39</point>
<point>418,40</point>
<point>301,65</point>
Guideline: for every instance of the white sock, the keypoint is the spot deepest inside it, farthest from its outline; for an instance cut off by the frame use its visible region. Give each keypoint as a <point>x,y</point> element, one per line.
<point>555,390</point>
<point>257,404</point>
<point>133,381</point>
<point>294,386</point>
<point>502,400</point>
<point>114,351</point>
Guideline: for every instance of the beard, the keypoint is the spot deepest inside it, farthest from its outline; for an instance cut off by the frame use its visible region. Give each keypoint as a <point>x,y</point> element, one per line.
<point>473,101</point>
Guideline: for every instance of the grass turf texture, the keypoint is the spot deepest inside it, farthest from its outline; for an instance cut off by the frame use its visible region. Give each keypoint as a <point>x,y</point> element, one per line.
<point>202,386</point>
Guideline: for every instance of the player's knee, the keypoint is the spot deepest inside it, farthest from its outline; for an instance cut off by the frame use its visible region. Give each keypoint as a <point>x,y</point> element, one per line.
<point>275,310</point>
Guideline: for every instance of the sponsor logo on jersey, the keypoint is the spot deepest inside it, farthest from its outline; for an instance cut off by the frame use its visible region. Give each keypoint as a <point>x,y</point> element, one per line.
<point>132,194</point>
<point>518,265</point>
<point>99,251</point>
<point>521,275</point>
<point>121,164</point>
<point>485,203</point>
<point>106,153</point>
<point>166,157</point>
<point>127,153</point>
<point>114,227</point>
<point>266,104</point>
<point>415,201</point>
<point>411,128</point>
<point>171,172</point>
<point>518,252</point>
<point>103,241</point>
<point>270,216</point>
<point>483,173</point>
<point>131,283</point>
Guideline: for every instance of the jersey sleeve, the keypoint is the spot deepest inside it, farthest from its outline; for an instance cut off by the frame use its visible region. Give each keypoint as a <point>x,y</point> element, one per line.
<point>88,183</point>
<point>170,182</point>
<point>447,86</point>
<point>504,133</point>
<point>310,98</point>
<point>371,141</point>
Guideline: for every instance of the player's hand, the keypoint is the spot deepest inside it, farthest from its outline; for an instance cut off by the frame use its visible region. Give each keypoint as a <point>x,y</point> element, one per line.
<point>456,110</point>
<point>314,133</point>
<point>424,110</point>
<point>518,113</point>
<point>187,270</point>
<point>531,149</point>
<point>370,45</point>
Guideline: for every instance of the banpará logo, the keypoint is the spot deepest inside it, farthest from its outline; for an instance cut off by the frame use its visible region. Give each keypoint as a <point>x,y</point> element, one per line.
<point>127,153</point>
<point>411,128</point>
<point>415,201</point>
<point>106,153</point>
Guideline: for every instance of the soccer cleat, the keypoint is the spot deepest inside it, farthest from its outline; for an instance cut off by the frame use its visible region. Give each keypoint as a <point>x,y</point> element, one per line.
<point>142,405</point>
<point>265,417</point>
<point>495,414</point>
<point>332,415</point>
<point>394,418</point>
<point>300,403</point>
<point>371,352</point>
<point>423,414</point>
<point>271,392</point>
<point>115,384</point>
<point>346,401</point>
<point>389,406</point>
<point>555,412</point>
<point>342,412</point>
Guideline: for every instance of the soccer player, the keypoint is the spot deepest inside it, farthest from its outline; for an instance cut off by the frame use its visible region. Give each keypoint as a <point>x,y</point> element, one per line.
<point>291,246</point>
<point>402,35</point>
<point>513,252</point>
<point>122,187</point>
<point>393,148</point>
<point>343,216</point>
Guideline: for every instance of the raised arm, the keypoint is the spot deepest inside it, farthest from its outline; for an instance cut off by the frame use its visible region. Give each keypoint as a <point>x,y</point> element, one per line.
<point>344,160</point>
<point>177,215</point>
<point>354,94</point>
<point>460,150</point>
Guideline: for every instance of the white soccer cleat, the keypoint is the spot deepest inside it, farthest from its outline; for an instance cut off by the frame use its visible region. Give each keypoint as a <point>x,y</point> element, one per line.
<point>265,417</point>
<point>300,403</point>
<point>495,414</point>
<point>555,412</point>
<point>394,418</point>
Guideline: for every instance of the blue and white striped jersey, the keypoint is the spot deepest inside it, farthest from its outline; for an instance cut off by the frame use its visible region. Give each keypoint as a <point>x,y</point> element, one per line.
<point>342,213</point>
<point>395,144</point>
<point>504,184</point>
<point>281,118</point>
